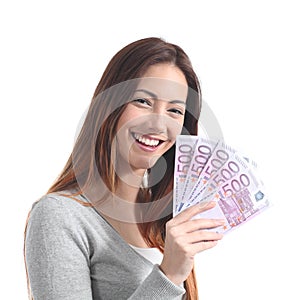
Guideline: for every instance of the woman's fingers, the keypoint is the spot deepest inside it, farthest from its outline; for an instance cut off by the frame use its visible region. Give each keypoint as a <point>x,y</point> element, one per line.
<point>190,212</point>
<point>198,224</point>
<point>196,242</point>
<point>203,236</point>
<point>199,247</point>
<point>185,237</point>
<point>198,236</point>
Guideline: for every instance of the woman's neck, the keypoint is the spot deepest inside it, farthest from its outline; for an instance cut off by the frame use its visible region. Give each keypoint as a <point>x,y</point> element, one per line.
<point>127,192</point>
<point>129,182</point>
<point>128,229</point>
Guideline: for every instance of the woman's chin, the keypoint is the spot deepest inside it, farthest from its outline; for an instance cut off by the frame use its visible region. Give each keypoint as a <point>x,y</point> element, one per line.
<point>141,165</point>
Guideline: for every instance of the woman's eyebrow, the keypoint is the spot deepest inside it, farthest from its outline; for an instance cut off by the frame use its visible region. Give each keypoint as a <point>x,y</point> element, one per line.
<point>178,102</point>
<point>154,96</point>
<point>147,92</point>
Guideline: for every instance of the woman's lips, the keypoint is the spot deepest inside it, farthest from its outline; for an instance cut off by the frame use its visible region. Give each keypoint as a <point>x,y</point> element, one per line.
<point>146,142</point>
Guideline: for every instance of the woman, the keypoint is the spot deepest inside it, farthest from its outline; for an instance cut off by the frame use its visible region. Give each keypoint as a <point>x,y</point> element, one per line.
<point>104,230</point>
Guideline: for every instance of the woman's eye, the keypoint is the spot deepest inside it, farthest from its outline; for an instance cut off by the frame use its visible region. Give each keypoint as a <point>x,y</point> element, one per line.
<point>176,111</point>
<point>142,101</point>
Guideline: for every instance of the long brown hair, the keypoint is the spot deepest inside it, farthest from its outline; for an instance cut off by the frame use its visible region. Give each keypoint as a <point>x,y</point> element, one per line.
<point>91,156</point>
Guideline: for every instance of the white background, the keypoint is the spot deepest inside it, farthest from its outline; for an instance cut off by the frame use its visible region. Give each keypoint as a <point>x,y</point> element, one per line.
<point>246,54</point>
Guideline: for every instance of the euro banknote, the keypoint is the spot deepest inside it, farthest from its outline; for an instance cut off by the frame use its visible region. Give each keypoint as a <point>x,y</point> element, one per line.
<point>202,152</point>
<point>185,146</point>
<point>218,172</point>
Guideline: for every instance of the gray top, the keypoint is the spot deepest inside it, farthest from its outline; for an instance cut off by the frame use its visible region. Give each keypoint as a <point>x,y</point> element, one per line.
<point>73,253</point>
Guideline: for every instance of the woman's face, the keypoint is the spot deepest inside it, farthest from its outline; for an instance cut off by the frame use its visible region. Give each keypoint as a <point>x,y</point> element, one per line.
<point>152,119</point>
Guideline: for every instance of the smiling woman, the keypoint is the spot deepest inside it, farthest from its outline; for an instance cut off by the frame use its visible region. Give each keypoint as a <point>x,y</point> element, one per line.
<point>150,123</point>
<point>86,238</point>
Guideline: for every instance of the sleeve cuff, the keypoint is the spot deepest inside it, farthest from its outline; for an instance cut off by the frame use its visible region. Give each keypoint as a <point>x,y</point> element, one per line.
<point>163,286</point>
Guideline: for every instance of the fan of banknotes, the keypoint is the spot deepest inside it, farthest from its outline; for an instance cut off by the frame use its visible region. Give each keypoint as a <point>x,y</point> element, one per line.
<point>209,170</point>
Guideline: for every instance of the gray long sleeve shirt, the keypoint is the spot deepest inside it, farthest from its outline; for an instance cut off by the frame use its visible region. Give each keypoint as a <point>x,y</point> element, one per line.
<point>72,253</point>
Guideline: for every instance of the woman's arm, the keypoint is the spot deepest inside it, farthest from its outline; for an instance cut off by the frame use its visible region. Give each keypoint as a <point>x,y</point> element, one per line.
<point>56,254</point>
<point>157,286</point>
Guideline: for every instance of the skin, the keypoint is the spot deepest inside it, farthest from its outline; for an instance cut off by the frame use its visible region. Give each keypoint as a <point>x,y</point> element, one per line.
<point>148,118</point>
<point>156,113</point>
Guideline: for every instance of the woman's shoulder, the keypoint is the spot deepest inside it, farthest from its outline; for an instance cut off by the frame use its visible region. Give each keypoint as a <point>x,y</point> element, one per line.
<point>60,200</point>
<point>62,208</point>
<point>56,217</point>
<point>56,203</point>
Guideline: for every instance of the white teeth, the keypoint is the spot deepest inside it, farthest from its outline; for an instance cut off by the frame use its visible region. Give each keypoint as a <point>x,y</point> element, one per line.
<point>146,141</point>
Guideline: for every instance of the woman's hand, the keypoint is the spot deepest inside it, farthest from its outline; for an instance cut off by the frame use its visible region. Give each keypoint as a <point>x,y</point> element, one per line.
<point>185,238</point>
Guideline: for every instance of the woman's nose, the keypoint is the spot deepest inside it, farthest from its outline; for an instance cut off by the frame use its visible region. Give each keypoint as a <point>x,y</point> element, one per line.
<point>156,123</point>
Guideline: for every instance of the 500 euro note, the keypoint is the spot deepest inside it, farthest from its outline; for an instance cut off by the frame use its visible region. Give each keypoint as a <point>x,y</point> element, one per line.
<point>185,146</point>
<point>203,151</point>
<point>238,198</point>
<point>231,180</point>
<point>208,180</point>
<point>219,157</point>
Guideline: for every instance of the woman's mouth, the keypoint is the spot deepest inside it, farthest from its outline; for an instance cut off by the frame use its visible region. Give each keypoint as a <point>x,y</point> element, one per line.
<point>147,142</point>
